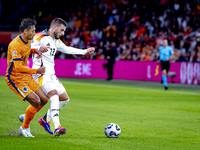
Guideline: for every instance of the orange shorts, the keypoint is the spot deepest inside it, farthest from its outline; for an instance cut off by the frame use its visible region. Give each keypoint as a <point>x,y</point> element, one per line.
<point>22,87</point>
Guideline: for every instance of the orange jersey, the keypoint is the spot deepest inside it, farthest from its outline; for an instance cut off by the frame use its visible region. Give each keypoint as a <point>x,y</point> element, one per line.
<point>17,56</point>
<point>18,76</point>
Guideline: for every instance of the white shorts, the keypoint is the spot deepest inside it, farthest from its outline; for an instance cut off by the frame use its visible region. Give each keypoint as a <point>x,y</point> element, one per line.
<point>49,82</point>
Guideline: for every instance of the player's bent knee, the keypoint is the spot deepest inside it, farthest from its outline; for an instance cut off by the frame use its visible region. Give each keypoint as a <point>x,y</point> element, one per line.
<point>66,98</point>
<point>44,100</point>
<point>52,93</point>
<point>63,97</point>
<point>37,103</point>
<point>33,99</point>
<point>42,95</point>
<point>37,100</point>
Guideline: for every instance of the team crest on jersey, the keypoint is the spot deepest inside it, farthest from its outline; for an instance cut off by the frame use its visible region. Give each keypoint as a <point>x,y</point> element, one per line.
<point>25,89</point>
<point>14,53</point>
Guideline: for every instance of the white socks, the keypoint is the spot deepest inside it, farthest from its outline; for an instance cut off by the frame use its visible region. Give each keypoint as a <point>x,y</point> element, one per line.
<point>48,115</point>
<point>60,106</point>
<point>54,110</point>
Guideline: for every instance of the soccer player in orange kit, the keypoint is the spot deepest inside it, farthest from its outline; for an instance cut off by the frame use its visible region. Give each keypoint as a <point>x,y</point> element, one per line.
<point>18,76</point>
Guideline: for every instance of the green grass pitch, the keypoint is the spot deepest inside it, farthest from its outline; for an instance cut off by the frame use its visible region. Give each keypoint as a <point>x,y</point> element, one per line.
<point>150,118</point>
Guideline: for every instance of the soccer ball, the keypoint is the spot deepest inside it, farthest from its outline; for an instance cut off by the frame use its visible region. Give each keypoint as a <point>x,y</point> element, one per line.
<point>21,117</point>
<point>112,130</point>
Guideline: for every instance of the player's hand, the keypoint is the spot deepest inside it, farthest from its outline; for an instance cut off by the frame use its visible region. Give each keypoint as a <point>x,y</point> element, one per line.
<point>44,49</point>
<point>41,70</point>
<point>90,50</point>
<point>39,54</point>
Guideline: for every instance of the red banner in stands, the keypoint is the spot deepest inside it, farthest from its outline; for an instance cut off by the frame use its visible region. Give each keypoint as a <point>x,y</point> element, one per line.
<point>7,37</point>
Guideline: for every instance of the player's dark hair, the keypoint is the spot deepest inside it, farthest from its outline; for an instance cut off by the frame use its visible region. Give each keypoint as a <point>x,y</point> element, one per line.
<point>27,23</point>
<point>167,40</point>
<point>58,22</point>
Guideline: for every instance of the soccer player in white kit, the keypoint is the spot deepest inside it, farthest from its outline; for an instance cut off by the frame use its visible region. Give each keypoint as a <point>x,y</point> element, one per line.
<point>54,90</point>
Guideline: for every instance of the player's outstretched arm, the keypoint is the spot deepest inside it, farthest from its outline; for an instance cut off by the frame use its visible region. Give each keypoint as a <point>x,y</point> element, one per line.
<point>71,50</point>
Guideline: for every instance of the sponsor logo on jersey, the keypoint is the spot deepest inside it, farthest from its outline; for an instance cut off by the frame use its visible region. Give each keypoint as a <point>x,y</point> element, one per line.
<point>25,89</point>
<point>48,44</point>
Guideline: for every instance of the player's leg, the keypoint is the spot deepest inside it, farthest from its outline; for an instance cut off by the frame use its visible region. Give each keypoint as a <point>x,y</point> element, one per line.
<point>54,107</point>
<point>54,110</point>
<point>43,97</point>
<point>30,112</point>
<point>51,86</point>
<point>25,93</point>
<point>32,108</point>
<point>164,78</point>
<point>167,70</point>
<point>63,100</point>
<point>48,85</point>
<point>164,74</point>
<point>167,67</point>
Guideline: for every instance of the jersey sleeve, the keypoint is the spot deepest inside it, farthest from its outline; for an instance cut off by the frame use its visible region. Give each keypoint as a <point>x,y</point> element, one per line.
<point>70,50</point>
<point>20,68</point>
<point>35,45</point>
<point>17,59</point>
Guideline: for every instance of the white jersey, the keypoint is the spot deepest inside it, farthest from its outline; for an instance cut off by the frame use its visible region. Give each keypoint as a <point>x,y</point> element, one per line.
<point>47,60</point>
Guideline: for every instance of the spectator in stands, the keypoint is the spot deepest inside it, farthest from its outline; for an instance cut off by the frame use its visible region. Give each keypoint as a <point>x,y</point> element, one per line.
<point>175,20</point>
<point>146,56</point>
<point>110,31</point>
<point>110,56</point>
<point>192,56</point>
<point>78,23</point>
<point>154,54</point>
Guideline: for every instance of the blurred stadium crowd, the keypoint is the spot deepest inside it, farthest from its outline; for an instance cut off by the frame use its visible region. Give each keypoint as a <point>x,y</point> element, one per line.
<point>133,29</point>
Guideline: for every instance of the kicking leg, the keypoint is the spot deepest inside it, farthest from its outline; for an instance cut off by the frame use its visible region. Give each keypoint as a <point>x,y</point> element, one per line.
<point>54,111</point>
<point>63,100</point>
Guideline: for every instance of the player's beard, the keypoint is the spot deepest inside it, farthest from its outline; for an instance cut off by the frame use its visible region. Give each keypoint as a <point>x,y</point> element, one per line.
<point>30,37</point>
<point>56,35</point>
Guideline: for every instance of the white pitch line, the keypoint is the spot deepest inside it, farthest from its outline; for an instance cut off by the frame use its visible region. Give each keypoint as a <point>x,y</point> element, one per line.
<point>135,88</point>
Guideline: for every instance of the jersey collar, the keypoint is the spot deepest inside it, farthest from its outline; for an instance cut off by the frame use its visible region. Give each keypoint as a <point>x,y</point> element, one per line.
<point>23,40</point>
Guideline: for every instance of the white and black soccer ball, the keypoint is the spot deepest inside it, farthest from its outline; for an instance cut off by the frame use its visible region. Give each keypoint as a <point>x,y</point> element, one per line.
<point>112,130</point>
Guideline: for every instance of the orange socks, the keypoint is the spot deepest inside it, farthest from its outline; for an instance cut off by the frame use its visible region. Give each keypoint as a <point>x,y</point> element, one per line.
<point>29,114</point>
<point>40,107</point>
